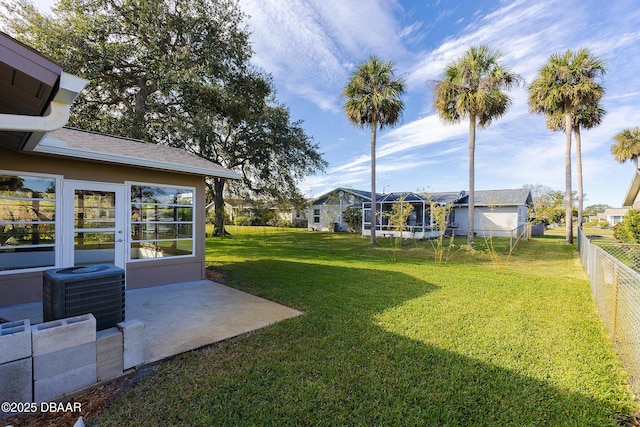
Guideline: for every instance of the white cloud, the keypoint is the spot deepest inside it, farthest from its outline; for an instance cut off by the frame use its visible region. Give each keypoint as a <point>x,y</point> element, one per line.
<point>311,45</point>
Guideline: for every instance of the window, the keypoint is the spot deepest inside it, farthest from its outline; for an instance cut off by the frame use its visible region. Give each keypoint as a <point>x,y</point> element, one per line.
<point>27,221</point>
<point>316,216</point>
<point>161,221</point>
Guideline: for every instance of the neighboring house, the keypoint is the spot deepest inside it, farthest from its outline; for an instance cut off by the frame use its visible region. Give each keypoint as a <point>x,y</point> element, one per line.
<point>326,212</point>
<point>421,223</point>
<point>498,213</point>
<point>632,198</point>
<point>69,197</point>
<point>235,208</point>
<point>298,218</point>
<point>615,215</point>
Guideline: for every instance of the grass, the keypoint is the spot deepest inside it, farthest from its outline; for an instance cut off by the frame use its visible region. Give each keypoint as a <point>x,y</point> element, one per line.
<point>395,339</point>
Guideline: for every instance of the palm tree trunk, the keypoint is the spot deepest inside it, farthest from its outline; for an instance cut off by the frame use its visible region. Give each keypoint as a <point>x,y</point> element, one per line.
<point>576,131</point>
<point>568,208</point>
<point>374,129</point>
<point>472,150</point>
<point>635,163</point>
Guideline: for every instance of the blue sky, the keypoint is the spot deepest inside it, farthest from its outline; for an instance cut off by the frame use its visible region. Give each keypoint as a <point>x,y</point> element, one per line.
<point>312,46</point>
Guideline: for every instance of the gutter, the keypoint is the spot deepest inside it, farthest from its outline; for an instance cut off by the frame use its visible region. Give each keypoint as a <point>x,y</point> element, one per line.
<point>57,114</point>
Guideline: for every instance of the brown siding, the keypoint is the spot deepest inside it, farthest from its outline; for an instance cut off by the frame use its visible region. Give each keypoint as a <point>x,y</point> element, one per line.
<point>27,287</point>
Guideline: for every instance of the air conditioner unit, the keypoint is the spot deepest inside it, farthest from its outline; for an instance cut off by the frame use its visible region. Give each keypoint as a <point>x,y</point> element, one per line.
<point>98,289</point>
<point>453,225</point>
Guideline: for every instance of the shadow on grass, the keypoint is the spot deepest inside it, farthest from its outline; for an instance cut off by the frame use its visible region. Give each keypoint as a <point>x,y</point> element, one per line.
<point>336,366</point>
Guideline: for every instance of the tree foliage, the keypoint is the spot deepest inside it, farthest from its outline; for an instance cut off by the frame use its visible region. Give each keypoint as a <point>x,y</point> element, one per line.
<point>629,229</point>
<point>175,72</point>
<point>373,98</point>
<point>353,218</point>
<point>627,146</point>
<point>472,88</point>
<point>592,210</point>
<point>548,204</point>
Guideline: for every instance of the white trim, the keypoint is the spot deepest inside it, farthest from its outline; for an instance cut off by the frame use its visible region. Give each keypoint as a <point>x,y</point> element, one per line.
<point>120,247</point>
<point>57,114</point>
<point>60,148</point>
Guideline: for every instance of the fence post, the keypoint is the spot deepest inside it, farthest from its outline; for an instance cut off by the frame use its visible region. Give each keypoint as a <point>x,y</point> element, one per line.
<point>614,301</point>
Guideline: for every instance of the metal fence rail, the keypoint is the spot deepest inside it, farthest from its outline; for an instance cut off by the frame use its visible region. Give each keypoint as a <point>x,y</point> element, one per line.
<point>616,292</point>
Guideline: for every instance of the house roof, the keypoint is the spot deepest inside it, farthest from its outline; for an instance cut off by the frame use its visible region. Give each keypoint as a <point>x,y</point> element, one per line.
<point>509,197</point>
<point>69,142</point>
<point>616,211</point>
<point>358,194</point>
<point>440,198</point>
<point>632,192</point>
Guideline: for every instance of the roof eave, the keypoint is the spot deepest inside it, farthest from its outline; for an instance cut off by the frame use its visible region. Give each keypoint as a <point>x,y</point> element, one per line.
<point>634,188</point>
<point>57,150</point>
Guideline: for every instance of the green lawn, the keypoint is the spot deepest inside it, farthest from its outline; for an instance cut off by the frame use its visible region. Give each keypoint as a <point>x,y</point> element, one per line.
<point>391,338</point>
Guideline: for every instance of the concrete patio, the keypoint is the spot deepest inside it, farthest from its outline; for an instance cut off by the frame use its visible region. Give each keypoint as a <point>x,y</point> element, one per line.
<point>184,316</point>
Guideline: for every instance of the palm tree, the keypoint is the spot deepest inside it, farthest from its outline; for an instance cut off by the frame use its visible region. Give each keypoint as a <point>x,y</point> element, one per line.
<point>472,88</point>
<point>627,146</point>
<point>373,99</point>
<point>564,85</point>
<point>586,117</point>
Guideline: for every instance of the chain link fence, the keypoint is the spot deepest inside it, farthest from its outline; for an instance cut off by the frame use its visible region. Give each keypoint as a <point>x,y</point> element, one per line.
<point>614,273</point>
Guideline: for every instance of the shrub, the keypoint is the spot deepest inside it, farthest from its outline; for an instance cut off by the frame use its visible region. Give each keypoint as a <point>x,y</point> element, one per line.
<point>242,220</point>
<point>629,229</point>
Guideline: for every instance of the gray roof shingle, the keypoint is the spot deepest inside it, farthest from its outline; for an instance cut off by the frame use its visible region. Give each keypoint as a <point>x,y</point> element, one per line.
<point>95,146</point>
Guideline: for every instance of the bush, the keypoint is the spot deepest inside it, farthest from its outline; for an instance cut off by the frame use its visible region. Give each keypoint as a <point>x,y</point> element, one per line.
<point>629,229</point>
<point>242,220</point>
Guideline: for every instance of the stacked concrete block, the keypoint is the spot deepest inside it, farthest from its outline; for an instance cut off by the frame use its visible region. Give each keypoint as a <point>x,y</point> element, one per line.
<point>15,362</point>
<point>133,343</point>
<point>64,356</point>
<point>109,356</point>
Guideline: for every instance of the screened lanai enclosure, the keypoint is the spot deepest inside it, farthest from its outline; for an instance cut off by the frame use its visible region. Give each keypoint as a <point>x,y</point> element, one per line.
<point>430,214</point>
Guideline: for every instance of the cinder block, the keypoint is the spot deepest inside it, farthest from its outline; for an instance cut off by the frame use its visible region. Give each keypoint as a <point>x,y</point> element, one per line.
<point>15,381</point>
<point>15,340</point>
<point>109,354</point>
<point>133,343</point>
<point>56,363</point>
<point>64,333</point>
<point>55,387</point>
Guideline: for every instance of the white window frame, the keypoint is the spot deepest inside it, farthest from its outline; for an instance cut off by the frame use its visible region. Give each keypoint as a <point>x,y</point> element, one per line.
<point>128,185</point>
<point>57,246</point>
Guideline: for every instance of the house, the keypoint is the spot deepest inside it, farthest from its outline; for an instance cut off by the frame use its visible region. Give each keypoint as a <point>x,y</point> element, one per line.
<point>498,213</point>
<point>422,222</point>
<point>632,198</point>
<point>246,212</point>
<point>326,212</point>
<point>69,197</point>
<point>615,215</point>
